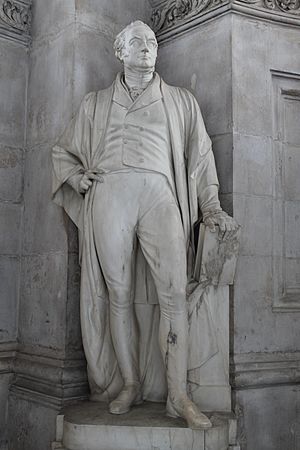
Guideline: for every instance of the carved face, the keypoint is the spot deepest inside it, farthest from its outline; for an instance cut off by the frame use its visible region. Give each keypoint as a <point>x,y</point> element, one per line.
<point>140,49</point>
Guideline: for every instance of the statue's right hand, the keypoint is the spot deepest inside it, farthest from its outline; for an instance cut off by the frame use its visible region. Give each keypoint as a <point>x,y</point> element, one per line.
<point>84,184</point>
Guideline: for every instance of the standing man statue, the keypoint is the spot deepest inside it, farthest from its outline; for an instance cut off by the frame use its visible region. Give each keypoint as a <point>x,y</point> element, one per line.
<point>131,170</point>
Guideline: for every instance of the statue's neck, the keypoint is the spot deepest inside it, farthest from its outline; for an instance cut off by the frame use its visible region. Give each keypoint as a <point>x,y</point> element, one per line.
<point>138,79</point>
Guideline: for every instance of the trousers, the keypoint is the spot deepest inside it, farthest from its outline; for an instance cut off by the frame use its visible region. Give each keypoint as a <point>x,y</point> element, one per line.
<point>131,206</point>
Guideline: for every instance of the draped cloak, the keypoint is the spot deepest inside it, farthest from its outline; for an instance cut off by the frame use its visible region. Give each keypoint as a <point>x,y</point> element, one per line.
<point>78,151</point>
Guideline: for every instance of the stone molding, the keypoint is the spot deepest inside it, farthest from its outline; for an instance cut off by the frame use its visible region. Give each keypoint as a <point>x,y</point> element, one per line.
<point>56,382</point>
<point>43,399</point>
<point>48,381</point>
<point>8,351</point>
<point>171,12</point>
<point>256,370</point>
<point>15,20</point>
<point>170,17</point>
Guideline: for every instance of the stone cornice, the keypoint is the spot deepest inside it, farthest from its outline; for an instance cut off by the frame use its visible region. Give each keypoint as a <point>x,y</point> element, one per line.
<point>15,20</point>
<point>169,13</point>
<point>255,370</point>
<point>171,17</point>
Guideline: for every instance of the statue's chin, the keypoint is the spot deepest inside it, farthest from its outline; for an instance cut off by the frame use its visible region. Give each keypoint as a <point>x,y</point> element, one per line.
<point>144,66</point>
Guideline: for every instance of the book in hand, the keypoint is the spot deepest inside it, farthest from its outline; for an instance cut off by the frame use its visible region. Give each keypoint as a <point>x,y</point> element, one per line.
<point>216,257</point>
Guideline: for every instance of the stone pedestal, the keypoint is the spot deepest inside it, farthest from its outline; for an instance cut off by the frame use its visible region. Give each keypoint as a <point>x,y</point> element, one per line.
<point>89,426</point>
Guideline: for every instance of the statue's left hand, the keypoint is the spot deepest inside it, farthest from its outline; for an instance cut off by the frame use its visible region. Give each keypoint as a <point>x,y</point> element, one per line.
<point>227,225</point>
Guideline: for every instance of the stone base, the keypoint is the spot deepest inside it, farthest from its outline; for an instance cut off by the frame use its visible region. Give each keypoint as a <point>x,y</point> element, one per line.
<point>89,426</point>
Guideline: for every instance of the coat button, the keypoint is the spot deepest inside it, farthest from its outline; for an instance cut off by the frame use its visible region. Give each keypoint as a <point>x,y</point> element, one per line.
<point>125,141</point>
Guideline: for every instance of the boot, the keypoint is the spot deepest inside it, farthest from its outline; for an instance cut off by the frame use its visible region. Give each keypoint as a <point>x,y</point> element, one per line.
<point>129,395</point>
<point>188,410</point>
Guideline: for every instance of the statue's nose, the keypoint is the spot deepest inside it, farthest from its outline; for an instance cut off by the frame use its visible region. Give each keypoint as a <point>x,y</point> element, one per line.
<point>145,48</point>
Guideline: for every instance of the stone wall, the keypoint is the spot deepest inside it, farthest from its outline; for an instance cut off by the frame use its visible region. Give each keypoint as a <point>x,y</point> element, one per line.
<point>266,201</point>
<point>12,111</point>
<point>13,82</point>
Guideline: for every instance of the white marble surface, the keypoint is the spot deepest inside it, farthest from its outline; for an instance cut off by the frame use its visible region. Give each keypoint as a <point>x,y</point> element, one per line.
<point>111,185</point>
<point>88,426</point>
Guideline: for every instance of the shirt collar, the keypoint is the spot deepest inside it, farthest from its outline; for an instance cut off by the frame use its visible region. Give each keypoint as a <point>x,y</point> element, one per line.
<point>151,94</point>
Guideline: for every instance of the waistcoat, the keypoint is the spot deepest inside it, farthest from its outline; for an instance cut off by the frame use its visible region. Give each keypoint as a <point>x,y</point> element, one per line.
<point>137,134</point>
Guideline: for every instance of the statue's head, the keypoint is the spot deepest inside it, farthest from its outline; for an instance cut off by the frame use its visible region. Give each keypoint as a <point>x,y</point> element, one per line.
<point>136,46</point>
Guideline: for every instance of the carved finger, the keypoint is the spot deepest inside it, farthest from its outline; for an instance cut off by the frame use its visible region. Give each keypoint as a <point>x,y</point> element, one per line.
<point>222,224</point>
<point>210,224</point>
<point>85,186</point>
<point>230,226</point>
<point>235,228</point>
<point>222,234</point>
<point>93,176</point>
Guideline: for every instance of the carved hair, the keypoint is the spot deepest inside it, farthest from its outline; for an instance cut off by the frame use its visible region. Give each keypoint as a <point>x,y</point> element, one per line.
<point>119,43</point>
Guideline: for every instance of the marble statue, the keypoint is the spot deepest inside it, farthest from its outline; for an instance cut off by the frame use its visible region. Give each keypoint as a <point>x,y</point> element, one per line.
<point>132,170</point>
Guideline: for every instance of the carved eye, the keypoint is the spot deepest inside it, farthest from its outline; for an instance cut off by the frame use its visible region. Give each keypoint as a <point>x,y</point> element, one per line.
<point>152,44</point>
<point>134,43</point>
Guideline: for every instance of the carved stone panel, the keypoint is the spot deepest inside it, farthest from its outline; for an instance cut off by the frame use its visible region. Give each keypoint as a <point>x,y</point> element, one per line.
<point>15,20</point>
<point>168,13</point>
<point>286,212</point>
<point>285,6</point>
<point>15,14</point>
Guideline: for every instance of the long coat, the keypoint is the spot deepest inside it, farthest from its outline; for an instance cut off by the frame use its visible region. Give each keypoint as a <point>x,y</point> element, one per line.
<point>78,151</point>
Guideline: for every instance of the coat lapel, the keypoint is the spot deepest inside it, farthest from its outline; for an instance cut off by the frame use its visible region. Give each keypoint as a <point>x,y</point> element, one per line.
<point>99,119</point>
<point>121,95</point>
<point>150,95</point>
